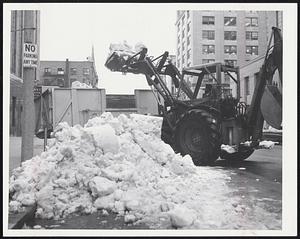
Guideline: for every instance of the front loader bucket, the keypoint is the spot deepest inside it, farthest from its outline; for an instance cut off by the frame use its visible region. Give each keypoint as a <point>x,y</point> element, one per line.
<point>271,106</point>
<point>114,62</point>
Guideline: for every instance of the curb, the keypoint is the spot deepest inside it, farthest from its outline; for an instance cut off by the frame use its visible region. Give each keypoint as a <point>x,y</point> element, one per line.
<point>17,220</point>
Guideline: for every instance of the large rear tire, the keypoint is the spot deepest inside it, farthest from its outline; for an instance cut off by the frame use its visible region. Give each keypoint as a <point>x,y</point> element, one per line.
<point>166,132</point>
<point>198,134</point>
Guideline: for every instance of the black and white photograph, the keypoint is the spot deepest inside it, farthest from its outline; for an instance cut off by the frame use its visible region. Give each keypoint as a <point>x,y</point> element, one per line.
<point>136,119</point>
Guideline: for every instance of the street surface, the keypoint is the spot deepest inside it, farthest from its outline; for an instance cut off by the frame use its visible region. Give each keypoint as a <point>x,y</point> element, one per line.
<point>257,181</point>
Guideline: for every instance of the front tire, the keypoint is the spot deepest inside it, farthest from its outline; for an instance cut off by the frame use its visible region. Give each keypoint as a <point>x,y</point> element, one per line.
<point>198,134</point>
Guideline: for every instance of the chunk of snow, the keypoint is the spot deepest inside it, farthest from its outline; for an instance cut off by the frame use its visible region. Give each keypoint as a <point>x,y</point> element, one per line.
<point>267,144</point>
<point>102,186</point>
<point>182,217</point>
<point>228,148</point>
<point>78,85</point>
<point>129,218</point>
<point>105,138</point>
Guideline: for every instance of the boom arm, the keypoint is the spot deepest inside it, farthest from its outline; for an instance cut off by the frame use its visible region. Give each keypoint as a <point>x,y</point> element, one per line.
<point>140,63</point>
<point>272,62</point>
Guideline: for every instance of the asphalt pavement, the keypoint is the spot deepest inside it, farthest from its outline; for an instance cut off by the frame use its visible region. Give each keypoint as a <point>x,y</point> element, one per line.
<point>263,162</point>
<point>257,180</point>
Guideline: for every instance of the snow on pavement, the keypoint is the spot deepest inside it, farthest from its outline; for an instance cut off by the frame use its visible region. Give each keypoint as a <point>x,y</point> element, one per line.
<point>121,164</point>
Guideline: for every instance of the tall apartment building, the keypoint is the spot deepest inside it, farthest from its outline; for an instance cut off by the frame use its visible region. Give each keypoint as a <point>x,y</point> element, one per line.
<point>63,73</point>
<point>231,37</point>
<point>16,66</point>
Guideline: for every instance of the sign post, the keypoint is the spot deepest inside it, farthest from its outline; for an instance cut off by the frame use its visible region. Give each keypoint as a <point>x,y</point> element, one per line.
<point>30,59</point>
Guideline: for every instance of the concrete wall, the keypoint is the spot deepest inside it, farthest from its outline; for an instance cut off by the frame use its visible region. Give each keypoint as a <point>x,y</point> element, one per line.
<point>249,70</point>
<point>146,102</point>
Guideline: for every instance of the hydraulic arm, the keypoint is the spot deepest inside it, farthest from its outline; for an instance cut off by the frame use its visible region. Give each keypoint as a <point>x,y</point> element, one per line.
<point>266,101</point>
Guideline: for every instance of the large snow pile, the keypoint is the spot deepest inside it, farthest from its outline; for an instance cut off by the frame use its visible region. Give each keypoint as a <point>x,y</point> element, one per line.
<point>78,84</point>
<point>121,164</point>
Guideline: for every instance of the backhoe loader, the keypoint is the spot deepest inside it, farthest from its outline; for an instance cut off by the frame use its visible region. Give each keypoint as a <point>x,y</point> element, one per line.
<point>198,126</point>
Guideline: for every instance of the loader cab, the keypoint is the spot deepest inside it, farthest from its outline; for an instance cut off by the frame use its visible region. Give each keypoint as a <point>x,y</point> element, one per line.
<point>215,80</point>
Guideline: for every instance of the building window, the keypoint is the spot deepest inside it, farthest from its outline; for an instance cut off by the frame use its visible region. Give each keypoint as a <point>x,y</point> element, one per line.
<point>210,35</point>
<point>60,82</point>
<point>252,50</point>
<point>230,35</point>
<point>251,35</point>
<point>229,21</point>
<point>230,62</point>
<point>60,71</point>
<point>86,71</point>
<point>206,61</point>
<point>246,82</point>
<point>73,71</point>
<point>188,14</point>
<point>47,70</point>
<point>251,22</point>
<point>208,49</point>
<point>230,49</point>
<point>208,20</point>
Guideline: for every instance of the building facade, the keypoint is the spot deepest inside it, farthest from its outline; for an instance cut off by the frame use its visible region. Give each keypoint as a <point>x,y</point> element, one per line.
<point>16,66</point>
<point>231,37</point>
<point>63,73</point>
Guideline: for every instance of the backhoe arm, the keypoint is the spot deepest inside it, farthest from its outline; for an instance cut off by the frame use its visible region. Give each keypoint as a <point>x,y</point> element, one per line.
<point>266,101</point>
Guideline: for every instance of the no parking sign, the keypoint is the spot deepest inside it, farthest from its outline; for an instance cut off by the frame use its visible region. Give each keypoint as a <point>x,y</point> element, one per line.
<point>30,55</point>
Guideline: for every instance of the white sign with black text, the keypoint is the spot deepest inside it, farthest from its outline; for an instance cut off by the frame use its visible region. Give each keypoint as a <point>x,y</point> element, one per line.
<point>30,55</point>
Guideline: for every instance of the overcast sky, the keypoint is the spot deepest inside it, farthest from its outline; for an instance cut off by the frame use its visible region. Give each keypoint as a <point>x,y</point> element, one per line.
<point>69,31</point>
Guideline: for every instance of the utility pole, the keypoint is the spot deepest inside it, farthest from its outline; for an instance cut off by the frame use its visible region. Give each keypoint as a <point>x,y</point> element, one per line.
<point>28,96</point>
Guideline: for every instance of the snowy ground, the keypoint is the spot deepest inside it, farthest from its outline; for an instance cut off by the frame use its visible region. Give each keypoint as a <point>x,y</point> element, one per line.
<point>120,164</point>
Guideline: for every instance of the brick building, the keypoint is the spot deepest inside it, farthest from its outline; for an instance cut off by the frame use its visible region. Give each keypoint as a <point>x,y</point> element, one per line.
<point>16,66</point>
<point>63,73</point>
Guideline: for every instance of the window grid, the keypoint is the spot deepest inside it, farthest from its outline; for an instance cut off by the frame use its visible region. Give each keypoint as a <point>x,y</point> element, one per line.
<point>208,49</point>
<point>251,22</point>
<point>252,50</point>
<point>230,49</point>
<point>209,35</point>
<point>229,21</point>
<point>208,20</point>
<point>251,35</point>
<point>230,35</point>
